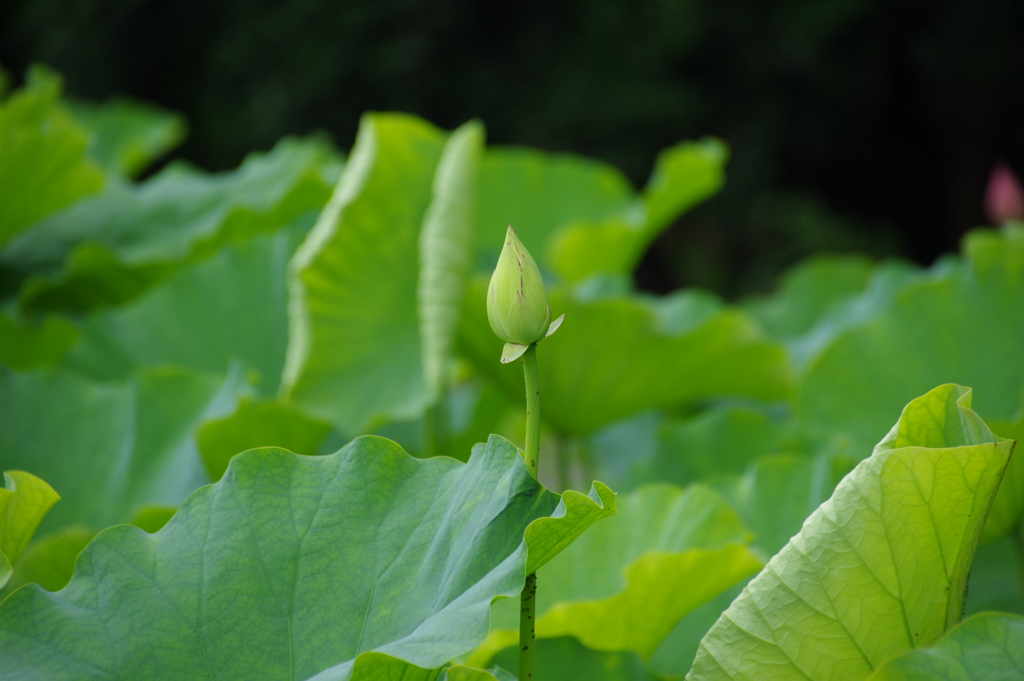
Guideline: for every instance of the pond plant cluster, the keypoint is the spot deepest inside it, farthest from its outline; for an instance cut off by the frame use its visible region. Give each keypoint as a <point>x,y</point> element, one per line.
<point>256,424</point>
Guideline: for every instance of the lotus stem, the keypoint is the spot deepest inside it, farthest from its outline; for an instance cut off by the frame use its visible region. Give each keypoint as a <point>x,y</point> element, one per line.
<point>528,598</point>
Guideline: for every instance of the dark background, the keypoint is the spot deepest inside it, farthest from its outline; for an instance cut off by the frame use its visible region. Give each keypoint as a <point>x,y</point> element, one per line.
<point>865,125</point>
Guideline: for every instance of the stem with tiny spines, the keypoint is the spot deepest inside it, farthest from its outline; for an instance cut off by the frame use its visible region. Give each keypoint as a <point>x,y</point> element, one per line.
<point>528,599</point>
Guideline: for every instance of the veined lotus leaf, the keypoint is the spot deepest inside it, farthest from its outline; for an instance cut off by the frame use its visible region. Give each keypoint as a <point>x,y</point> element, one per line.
<point>364,564</point>
<point>126,136</point>
<point>110,449</point>
<point>625,584</point>
<point>50,560</point>
<point>109,248</point>
<point>355,353</point>
<point>986,647</point>
<point>617,356</point>
<point>42,155</point>
<point>24,500</point>
<point>881,567</point>
<point>230,308</point>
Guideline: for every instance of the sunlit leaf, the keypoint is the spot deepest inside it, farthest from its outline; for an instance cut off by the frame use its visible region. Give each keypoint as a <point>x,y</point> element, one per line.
<point>24,500</point>
<point>299,567</point>
<point>881,567</point>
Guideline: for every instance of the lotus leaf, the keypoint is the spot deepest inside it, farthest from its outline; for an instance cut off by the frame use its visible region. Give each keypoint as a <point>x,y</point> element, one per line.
<point>363,564</point>
<point>881,567</point>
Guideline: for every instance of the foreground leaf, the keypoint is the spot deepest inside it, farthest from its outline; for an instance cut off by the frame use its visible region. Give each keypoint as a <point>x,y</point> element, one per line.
<point>881,568</point>
<point>363,564</point>
<point>24,500</point>
<point>110,449</point>
<point>988,647</point>
<point>627,582</point>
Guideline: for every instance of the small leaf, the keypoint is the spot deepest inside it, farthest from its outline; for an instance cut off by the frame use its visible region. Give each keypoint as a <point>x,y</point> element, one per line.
<point>126,136</point>
<point>554,325</point>
<point>985,647</point>
<point>510,352</point>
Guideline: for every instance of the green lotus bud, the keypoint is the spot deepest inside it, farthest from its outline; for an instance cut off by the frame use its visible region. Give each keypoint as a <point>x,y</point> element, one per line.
<point>517,306</point>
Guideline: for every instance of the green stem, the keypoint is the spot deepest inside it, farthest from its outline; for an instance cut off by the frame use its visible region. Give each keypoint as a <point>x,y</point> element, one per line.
<point>435,427</point>
<point>532,453</point>
<point>528,599</point>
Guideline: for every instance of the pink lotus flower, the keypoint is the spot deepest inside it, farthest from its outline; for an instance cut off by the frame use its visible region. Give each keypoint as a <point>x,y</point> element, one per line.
<point>1004,197</point>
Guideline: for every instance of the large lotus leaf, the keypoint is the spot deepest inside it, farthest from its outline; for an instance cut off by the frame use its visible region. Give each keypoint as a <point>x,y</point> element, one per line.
<point>566,659</point>
<point>125,136</point>
<point>257,424</point>
<point>24,500</point>
<point>625,584</point>
<point>963,326</point>
<point>881,567</point>
<point>229,308</point>
<point>107,248</point>
<point>683,176</point>
<point>355,353</point>
<point>988,647</point>
<point>617,356</point>
<point>445,252</point>
<point>35,344</point>
<point>363,564</point>
<point>43,164</point>
<point>537,193</point>
<point>109,449</point>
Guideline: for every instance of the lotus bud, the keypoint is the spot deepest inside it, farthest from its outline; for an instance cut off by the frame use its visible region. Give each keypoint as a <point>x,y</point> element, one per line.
<point>517,306</point>
<point>1004,198</point>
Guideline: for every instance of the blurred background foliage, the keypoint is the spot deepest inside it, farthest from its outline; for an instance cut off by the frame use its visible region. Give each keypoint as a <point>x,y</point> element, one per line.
<point>855,125</point>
